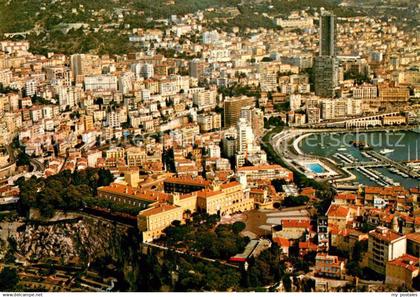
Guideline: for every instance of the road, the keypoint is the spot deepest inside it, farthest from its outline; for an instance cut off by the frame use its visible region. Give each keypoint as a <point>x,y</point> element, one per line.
<point>190,254</point>
<point>38,165</point>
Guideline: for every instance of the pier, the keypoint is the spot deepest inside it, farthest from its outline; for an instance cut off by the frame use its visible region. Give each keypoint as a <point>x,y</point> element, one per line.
<point>373,164</point>
<point>403,168</point>
<point>376,161</point>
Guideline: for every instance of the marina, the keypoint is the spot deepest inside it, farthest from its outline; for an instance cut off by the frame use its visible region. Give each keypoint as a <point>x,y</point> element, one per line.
<point>376,158</point>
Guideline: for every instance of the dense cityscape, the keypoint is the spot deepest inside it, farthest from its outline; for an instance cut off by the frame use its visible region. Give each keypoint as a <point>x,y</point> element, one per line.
<point>210,146</point>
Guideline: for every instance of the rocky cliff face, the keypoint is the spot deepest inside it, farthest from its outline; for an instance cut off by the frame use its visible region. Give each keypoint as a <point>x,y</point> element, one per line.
<point>83,240</point>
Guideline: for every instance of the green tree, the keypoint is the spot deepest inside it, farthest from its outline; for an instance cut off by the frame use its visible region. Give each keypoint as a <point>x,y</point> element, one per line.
<point>278,184</point>
<point>354,269</point>
<point>292,201</point>
<point>238,227</point>
<point>8,279</point>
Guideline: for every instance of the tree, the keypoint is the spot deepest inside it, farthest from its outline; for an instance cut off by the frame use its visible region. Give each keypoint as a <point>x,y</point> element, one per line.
<point>8,279</point>
<point>276,205</point>
<point>292,201</point>
<point>23,159</point>
<point>238,227</point>
<point>65,191</point>
<point>278,184</point>
<point>275,121</point>
<point>357,252</point>
<point>308,284</point>
<point>267,59</point>
<point>354,269</point>
<point>287,283</point>
<point>282,106</point>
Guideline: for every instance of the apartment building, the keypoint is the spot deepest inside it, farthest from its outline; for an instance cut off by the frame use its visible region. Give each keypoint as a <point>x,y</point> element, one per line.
<point>413,244</point>
<point>384,245</point>
<point>233,108</point>
<point>393,95</point>
<point>265,172</point>
<point>205,99</point>
<point>136,156</point>
<point>338,216</point>
<point>329,266</point>
<point>209,121</point>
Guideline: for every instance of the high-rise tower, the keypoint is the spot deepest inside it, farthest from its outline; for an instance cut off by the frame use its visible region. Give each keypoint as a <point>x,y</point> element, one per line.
<point>327,34</point>
<point>326,64</point>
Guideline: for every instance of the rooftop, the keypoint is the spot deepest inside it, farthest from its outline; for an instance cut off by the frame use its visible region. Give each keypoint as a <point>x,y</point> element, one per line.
<point>385,234</point>
<point>414,237</point>
<point>198,181</point>
<point>337,211</point>
<point>261,167</point>
<point>157,209</point>
<point>346,196</point>
<point>406,261</point>
<point>205,193</point>
<point>389,191</point>
<point>281,241</point>
<point>296,223</point>
<point>137,193</point>
<point>230,185</point>
<point>308,245</point>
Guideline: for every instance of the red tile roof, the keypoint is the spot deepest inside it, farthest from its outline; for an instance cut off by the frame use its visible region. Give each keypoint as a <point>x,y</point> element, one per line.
<point>188,181</point>
<point>337,211</point>
<point>308,245</point>
<point>310,192</point>
<point>386,191</point>
<point>140,194</point>
<point>283,242</point>
<point>230,185</point>
<point>206,193</point>
<point>346,196</point>
<point>386,235</point>
<point>406,261</point>
<point>295,223</point>
<point>414,237</point>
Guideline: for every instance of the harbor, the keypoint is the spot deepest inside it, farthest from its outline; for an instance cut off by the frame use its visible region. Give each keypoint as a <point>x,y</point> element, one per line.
<point>375,158</point>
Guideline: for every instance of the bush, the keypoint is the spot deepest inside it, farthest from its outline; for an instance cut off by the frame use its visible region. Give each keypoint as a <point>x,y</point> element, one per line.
<point>238,227</point>
<point>291,201</point>
<point>8,279</point>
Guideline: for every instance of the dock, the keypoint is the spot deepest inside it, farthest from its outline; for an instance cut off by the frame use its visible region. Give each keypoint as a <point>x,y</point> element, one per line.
<point>403,168</point>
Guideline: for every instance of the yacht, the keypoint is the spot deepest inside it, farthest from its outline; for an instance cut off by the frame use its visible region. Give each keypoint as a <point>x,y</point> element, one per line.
<point>386,151</point>
<point>341,149</point>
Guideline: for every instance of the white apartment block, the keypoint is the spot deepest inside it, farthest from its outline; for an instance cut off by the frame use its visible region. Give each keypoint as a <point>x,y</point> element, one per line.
<point>365,92</point>
<point>205,100</point>
<point>384,245</point>
<point>101,83</point>
<point>30,87</point>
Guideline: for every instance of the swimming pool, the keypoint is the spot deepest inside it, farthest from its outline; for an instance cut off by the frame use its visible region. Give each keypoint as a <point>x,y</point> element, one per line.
<point>316,168</point>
